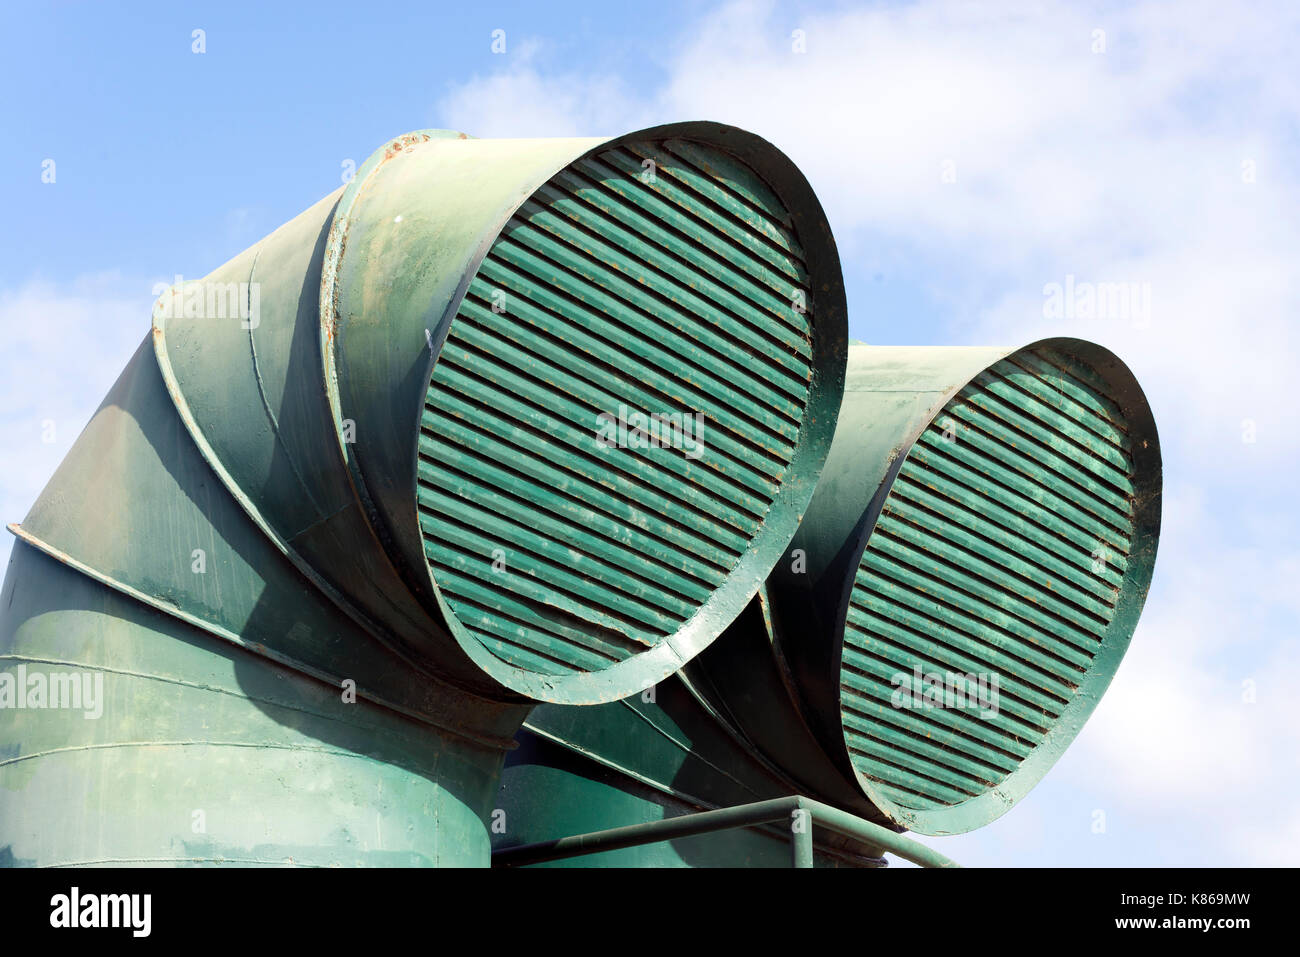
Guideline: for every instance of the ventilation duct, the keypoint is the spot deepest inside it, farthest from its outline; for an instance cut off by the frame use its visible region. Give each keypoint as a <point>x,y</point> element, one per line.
<point>500,422</point>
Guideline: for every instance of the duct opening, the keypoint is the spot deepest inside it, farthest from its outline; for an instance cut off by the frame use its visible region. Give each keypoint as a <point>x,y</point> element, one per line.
<point>998,588</point>
<point>616,406</point>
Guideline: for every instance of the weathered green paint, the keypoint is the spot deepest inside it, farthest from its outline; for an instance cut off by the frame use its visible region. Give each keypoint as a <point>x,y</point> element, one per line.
<point>241,514</point>
<point>250,394</point>
<point>1000,549</point>
<point>206,753</point>
<point>136,506</point>
<point>982,511</point>
<point>143,568</point>
<point>659,290</point>
<point>589,319</point>
<point>745,681</point>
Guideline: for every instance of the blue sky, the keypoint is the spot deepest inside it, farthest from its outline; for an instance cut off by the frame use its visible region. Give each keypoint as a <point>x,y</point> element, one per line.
<point>968,156</point>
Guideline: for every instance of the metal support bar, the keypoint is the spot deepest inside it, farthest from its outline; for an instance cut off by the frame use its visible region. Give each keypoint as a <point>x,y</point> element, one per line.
<point>801,843</point>
<point>789,809</point>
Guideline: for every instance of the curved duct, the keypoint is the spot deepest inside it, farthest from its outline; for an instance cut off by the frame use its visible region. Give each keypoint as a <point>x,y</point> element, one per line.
<point>378,464</point>
<point>987,514</point>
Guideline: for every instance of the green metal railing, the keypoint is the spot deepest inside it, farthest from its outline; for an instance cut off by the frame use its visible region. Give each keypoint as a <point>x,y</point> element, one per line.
<point>800,812</point>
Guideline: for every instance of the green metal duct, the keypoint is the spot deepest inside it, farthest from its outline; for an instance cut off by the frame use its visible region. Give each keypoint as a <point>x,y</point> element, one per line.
<point>991,514</point>
<point>327,543</point>
<point>983,512</point>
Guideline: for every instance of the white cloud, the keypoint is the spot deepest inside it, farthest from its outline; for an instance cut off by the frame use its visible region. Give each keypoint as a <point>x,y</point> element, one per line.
<point>523,100</point>
<point>65,345</point>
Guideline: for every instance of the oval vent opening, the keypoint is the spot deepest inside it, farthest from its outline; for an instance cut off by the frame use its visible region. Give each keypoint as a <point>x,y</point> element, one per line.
<point>616,405</point>
<point>1000,552</point>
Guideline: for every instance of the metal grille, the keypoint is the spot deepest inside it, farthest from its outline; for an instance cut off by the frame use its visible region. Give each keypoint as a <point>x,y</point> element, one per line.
<point>1000,549</point>
<point>657,278</point>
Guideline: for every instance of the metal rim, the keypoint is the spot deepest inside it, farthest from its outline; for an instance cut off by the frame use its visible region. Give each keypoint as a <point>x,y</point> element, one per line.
<point>335,246</point>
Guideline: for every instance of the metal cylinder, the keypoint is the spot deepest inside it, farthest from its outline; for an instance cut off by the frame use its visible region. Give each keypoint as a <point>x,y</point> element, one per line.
<point>965,581</point>
<point>614,366</point>
<point>188,750</point>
